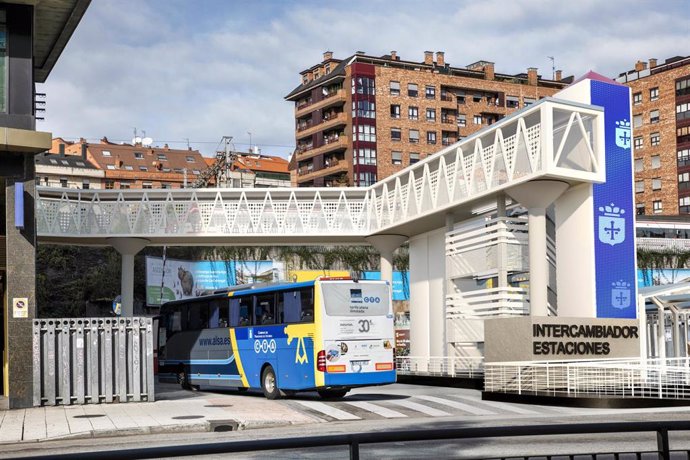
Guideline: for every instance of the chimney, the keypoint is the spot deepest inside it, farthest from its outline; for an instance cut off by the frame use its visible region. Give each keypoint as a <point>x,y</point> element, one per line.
<point>640,66</point>
<point>440,59</point>
<point>83,151</point>
<point>104,140</point>
<point>394,55</point>
<point>532,76</point>
<point>61,149</point>
<point>428,57</point>
<point>652,63</point>
<point>489,71</point>
<point>82,140</point>
<point>166,148</point>
<point>310,76</point>
<point>559,75</point>
<point>327,55</point>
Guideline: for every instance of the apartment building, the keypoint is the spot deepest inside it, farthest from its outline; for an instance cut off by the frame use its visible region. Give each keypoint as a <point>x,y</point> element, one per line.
<point>661,134</point>
<point>136,166</point>
<point>68,171</point>
<point>246,169</point>
<point>364,118</point>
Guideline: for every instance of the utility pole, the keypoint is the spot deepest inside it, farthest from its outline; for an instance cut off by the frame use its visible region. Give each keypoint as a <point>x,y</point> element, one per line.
<point>553,67</point>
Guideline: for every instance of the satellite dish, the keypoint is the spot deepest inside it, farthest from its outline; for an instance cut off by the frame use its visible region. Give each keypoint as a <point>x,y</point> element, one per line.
<point>146,141</point>
<point>136,140</point>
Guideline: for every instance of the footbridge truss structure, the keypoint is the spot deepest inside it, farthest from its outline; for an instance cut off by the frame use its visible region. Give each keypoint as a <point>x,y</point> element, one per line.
<point>552,140</point>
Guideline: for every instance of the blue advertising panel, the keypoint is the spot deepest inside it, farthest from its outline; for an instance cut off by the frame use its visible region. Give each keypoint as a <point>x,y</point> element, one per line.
<point>401,283</point>
<point>614,209</point>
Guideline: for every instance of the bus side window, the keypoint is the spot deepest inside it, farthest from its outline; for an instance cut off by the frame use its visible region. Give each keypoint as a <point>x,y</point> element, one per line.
<point>264,312</point>
<point>307,301</point>
<point>223,313</point>
<point>234,312</point>
<point>214,311</point>
<point>280,309</point>
<point>198,316</point>
<point>292,307</point>
<point>245,310</point>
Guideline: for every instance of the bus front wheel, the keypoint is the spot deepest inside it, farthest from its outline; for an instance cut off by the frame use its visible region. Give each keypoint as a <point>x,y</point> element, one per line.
<point>268,383</point>
<point>332,393</point>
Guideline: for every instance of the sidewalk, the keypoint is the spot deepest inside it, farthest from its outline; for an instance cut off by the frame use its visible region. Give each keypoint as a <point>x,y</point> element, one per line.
<point>174,411</point>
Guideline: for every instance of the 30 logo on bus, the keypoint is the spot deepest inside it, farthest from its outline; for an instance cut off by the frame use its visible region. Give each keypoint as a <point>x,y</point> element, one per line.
<point>264,346</point>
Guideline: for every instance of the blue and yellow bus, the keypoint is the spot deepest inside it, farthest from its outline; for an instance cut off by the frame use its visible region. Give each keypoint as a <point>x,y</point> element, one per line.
<point>328,335</point>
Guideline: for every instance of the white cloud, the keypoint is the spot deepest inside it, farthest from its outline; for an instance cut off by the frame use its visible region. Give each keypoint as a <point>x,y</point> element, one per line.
<point>200,70</point>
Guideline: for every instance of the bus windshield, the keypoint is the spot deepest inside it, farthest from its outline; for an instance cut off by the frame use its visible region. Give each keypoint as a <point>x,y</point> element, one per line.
<point>361,299</point>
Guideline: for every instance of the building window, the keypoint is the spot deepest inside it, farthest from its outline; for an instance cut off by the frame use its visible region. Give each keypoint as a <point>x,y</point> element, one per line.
<point>684,204</point>
<point>529,101</point>
<point>477,119</point>
<point>366,179</point>
<point>196,172</point>
<point>365,156</point>
<point>365,133</point>
<point>413,113</point>
<point>414,158</point>
<point>63,182</point>
<point>111,167</point>
<point>637,121</point>
<point>683,111</point>
<point>430,92</point>
<point>395,111</point>
<point>639,186</point>
<point>656,161</point>
<point>656,183</point>
<point>395,88</point>
<point>138,155</point>
<point>396,134</point>
<point>162,157</point>
<point>164,185</point>
<point>124,185</point>
<point>414,136</point>
<point>654,139</point>
<point>639,164</point>
<point>365,109</point>
<point>684,157</point>
<point>637,98</point>
<point>109,184</point>
<point>146,185</point>
<point>143,168</point>
<point>53,162</point>
<point>462,120</point>
<point>683,134</point>
<point>657,207</point>
<point>683,181</point>
<point>106,153</point>
<point>85,184</point>
<point>638,143</point>
<point>190,159</point>
<point>654,94</point>
<point>431,137</point>
<point>431,115</point>
<point>654,116</point>
<point>477,97</point>
<point>512,102</point>
<point>396,158</point>
<point>412,89</point>
<point>682,87</point>
<point>363,85</point>
<point>129,168</point>
<point>639,209</point>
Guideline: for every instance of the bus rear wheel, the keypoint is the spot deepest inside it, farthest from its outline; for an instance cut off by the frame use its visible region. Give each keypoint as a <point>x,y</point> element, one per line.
<point>268,383</point>
<point>332,393</point>
<point>183,378</point>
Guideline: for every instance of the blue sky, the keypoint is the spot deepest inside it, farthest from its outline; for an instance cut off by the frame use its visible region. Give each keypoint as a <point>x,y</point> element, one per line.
<point>202,69</point>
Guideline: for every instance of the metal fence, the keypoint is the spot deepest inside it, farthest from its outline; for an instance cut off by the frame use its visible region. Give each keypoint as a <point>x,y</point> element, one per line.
<point>92,360</point>
<point>441,366</point>
<point>634,378</point>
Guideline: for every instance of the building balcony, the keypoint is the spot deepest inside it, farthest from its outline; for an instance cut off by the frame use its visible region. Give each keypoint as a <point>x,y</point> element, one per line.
<point>449,120</point>
<point>336,97</point>
<point>334,167</point>
<point>330,145</point>
<point>339,119</point>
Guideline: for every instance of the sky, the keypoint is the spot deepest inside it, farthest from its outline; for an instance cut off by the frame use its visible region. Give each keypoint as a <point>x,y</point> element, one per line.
<point>195,70</point>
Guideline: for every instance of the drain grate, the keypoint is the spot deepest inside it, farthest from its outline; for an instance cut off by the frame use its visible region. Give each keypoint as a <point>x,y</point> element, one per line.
<point>89,416</point>
<point>187,417</point>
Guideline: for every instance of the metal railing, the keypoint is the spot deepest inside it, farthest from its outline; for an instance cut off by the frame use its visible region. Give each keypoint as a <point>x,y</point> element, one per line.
<point>354,440</point>
<point>470,367</point>
<point>634,378</point>
<point>92,360</point>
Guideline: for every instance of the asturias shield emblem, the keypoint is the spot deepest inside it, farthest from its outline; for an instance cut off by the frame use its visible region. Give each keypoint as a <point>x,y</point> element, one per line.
<point>620,295</point>
<point>611,225</point>
<point>623,134</point>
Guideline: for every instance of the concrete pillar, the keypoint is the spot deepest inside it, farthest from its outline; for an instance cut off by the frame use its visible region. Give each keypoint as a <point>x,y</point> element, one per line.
<point>502,247</point>
<point>386,246</point>
<point>537,196</point>
<point>128,248</point>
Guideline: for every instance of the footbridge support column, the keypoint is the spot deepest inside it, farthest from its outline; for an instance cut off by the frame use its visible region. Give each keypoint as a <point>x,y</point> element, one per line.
<point>128,248</point>
<point>386,246</point>
<point>536,196</point>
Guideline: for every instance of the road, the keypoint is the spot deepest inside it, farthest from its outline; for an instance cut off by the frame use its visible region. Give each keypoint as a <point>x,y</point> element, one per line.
<point>399,406</point>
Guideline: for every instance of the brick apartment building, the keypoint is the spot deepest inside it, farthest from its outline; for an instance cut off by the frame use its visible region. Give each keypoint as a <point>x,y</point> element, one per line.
<point>364,118</point>
<point>661,134</point>
<point>248,169</point>
<point>134,166</point>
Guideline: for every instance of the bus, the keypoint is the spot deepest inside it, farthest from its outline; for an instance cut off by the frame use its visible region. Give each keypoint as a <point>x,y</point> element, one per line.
<point>328,335</point>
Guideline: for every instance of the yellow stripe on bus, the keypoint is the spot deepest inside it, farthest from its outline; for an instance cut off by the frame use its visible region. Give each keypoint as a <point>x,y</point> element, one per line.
<point>319,377</point>
<point>238,360</point>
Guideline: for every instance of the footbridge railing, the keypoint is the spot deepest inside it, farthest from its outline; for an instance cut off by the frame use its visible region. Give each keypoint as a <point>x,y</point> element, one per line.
<point>551,139</point>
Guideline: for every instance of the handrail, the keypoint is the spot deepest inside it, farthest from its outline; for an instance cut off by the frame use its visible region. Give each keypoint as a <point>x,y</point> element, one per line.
<point>354,440</point>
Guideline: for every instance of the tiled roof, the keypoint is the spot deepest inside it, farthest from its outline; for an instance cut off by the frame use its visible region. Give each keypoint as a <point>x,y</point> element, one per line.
<point>132,157</point>
<point>67,161</point>
<point>338,71</point>
<point>263,163</point>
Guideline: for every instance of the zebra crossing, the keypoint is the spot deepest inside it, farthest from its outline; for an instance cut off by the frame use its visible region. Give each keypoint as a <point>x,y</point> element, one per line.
<point>394,406</point>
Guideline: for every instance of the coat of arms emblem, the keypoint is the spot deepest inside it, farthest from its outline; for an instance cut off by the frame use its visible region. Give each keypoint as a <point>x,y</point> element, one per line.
<point>623,134</point>
<point>611,225</point>
<point>620,295</point>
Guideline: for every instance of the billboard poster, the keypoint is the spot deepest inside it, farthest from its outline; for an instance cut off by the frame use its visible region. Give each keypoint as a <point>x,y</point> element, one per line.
<point>258,271</point>
<point>401,283</point>
<point>658,277</point>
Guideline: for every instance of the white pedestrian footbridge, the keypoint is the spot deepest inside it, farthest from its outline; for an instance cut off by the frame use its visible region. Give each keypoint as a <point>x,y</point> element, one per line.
<point>531,157</point>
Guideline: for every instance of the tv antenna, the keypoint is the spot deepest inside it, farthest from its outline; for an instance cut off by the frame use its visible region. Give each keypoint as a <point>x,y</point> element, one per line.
<point>553,67</point>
